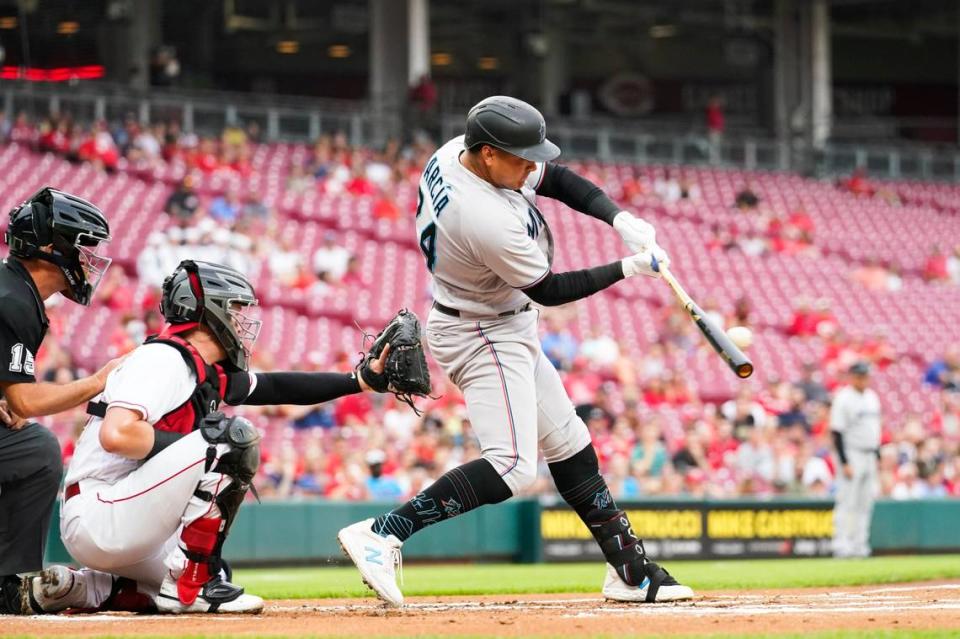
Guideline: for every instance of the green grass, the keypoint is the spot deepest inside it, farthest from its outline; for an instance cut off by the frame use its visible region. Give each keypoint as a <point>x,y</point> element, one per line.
<point>475,579</point>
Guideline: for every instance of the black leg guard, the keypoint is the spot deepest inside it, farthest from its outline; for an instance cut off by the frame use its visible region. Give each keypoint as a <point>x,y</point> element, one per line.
<point>228,502</point>
<point>240,464</point>
<point>579,482</point>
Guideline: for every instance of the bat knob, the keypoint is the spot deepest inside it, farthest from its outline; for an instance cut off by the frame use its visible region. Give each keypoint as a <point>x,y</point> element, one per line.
<point>745,370</point>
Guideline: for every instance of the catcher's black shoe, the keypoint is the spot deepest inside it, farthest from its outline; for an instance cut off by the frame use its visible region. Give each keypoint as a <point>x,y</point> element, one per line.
<point>217,595</point>
<point>659,585</point>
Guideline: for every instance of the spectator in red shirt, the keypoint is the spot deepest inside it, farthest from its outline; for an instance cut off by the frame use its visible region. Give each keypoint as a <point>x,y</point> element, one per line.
<point>803,322</point>
<point>352,410</point>
<point>56,137</point>
<point>384,208</point>
<point>205,156</point>
<point>358,184</point>
<point>716,125</point>
<point>857,183</point>
<point>935,268</point>
<point>99,148</point>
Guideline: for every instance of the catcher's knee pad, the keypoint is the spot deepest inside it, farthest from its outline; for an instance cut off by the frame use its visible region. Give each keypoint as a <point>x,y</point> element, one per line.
<point>620,545</point>
<point>243,459</point>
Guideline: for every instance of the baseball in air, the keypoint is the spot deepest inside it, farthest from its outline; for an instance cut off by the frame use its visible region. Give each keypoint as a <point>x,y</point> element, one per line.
<point>741,336</point>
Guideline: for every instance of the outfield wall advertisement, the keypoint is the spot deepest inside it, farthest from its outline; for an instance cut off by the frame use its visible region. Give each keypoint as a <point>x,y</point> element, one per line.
<point>700,530</point>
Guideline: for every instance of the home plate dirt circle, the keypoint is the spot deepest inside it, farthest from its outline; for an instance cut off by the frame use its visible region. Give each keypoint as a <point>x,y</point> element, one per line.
<point>912,606</point>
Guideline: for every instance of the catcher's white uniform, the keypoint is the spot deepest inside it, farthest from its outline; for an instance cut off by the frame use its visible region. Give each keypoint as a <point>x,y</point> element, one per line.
<point>127,517</point>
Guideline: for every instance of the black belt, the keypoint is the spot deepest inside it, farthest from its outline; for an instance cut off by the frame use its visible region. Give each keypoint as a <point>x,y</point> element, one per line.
<point>452,312</point>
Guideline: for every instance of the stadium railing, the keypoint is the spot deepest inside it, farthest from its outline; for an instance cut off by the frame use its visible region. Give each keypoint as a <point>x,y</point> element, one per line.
<point>283,118</point>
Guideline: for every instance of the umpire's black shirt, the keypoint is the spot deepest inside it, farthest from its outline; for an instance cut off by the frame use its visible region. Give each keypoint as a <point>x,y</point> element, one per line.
<point>30,464</point>
<point>23,322</point>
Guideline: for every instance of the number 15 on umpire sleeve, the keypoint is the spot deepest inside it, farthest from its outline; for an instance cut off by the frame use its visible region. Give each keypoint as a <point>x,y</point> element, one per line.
<point>428,237</point>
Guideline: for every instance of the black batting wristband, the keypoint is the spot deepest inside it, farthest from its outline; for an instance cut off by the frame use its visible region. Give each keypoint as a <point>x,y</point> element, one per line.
<point>162,439</point>
<point>577,192</point>
<point>560,288</point>
<point>838,442</point>
<point>303,389</point>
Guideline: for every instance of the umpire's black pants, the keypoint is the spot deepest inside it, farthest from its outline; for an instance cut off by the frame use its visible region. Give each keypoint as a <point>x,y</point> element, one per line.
<point>30,471</point>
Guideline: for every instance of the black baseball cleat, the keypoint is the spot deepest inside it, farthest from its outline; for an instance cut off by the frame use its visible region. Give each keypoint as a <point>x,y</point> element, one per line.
<point>12,600</point>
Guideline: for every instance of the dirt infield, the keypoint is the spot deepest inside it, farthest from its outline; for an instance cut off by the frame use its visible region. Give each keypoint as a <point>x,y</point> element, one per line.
<point>909,606</point>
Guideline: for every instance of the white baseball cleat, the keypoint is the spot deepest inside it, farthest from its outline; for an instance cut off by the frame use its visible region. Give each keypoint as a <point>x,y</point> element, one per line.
<point>377,558</point>
<point>51,589</point>
<point>664,587</point>
<point>216,596</point>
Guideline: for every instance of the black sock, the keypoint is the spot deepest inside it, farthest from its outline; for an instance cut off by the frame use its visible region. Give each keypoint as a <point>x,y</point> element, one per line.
<point>464,488</point>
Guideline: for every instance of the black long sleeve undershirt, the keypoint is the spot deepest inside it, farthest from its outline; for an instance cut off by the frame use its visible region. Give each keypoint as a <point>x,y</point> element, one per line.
<point>838,443</point>
<point>577,192</point>
<point>560,288</point>
<point>303,389</point>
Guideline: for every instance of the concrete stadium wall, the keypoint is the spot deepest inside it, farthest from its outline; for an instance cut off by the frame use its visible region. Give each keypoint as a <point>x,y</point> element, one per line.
<point>305,532</point>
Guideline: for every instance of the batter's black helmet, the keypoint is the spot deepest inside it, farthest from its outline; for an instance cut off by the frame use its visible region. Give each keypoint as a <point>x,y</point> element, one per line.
<point>74,228</point>
<point>213,295</point>
<point>511,125</point>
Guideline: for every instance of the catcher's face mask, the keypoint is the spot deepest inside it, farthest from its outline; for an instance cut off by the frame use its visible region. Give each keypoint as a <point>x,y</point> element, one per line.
<point>245,324</point>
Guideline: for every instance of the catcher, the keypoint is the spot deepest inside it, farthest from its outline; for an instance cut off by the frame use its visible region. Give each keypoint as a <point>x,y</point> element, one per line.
<point>159,473</point>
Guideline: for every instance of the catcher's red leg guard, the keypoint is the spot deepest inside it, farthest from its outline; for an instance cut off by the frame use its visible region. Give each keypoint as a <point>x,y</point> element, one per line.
<point>199,538</point>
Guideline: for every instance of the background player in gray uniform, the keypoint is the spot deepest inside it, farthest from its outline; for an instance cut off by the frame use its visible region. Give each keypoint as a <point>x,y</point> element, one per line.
<point>855,423</point>
<point>490,251</point>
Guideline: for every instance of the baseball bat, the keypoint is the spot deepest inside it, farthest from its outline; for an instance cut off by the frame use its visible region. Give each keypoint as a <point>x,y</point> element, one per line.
<point>733,356</point>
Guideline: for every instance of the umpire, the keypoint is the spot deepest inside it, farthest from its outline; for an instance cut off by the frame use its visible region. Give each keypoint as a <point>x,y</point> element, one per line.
<point>855,423</point>
<point>53,239</point>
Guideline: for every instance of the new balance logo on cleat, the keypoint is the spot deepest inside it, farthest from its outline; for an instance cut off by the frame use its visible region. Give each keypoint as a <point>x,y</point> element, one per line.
<point>374,555</point>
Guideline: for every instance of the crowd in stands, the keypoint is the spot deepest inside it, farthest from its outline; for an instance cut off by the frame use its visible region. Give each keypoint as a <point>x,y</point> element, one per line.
<point>655,435</point>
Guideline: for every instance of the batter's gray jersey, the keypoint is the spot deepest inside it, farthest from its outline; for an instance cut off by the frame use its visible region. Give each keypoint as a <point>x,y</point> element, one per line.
<point>857,416</point>
<point>482,243</point>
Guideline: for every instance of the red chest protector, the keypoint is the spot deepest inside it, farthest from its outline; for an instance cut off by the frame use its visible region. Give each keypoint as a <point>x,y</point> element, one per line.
<point>206,397</point>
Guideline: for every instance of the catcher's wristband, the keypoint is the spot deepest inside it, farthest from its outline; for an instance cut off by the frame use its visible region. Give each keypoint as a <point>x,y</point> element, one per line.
<point>377,381</point>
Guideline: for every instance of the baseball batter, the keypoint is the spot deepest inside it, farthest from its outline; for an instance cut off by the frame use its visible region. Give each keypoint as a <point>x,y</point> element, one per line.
<point>490,251</point>
<point>855,423</point>
<point>159,474</point>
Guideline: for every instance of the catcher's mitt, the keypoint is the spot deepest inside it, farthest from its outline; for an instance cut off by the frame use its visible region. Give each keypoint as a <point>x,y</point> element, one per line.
<point>405,373</point>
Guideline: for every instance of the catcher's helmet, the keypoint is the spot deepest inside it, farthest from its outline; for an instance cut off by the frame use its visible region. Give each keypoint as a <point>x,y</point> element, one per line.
<point>213,295</point>
<point>73,226</point>
<point>511,125</point>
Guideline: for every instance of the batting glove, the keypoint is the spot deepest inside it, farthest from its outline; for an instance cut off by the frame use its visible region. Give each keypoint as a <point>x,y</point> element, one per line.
<point>645,263</point>
<point>637,234</point>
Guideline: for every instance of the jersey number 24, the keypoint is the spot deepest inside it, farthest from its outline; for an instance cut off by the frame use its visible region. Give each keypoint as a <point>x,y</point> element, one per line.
<point>428,237</point>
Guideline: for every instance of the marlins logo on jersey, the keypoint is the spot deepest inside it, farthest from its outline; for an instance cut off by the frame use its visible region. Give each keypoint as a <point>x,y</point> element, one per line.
<point>480,260</point>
